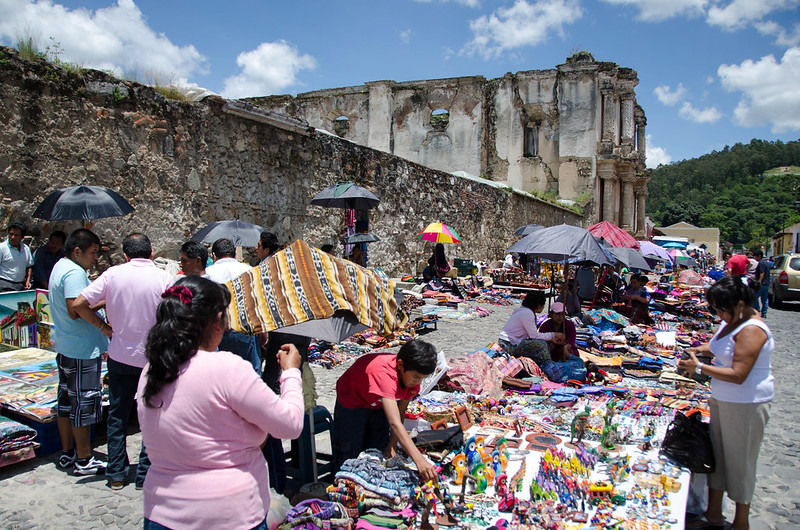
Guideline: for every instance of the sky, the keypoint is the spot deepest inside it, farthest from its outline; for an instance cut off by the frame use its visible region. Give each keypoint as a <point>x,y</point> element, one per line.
<point>711,72</point>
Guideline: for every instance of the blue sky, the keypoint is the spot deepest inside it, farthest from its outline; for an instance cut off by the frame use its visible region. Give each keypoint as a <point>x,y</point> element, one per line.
<point>711,72</point>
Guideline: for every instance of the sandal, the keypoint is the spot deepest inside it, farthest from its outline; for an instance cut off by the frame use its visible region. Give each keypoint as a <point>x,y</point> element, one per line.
<point>701,522</point>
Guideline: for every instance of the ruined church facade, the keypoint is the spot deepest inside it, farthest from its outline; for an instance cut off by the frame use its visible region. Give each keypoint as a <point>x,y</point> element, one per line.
<point>575,132</point>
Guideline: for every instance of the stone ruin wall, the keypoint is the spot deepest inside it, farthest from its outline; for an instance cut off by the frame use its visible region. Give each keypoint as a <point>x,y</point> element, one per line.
<point>184,165</point>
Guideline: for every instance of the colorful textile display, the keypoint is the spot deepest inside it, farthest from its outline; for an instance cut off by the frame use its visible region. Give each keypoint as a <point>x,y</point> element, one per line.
<point>302,283</point>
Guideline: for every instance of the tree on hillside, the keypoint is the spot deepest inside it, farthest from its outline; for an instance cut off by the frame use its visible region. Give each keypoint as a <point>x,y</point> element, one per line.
<point>685,211</point>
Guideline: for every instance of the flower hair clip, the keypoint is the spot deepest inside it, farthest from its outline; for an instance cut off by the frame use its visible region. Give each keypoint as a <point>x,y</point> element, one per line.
<point>181,292</point>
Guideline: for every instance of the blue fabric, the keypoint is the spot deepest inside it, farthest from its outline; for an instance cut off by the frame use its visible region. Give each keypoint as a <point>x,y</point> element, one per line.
<point>243,345</point>
<point>559,372</point>
<point>123,380</point>
<point>72,338</point>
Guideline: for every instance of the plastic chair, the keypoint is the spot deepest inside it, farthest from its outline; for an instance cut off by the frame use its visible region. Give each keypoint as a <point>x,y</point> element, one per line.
<point>304,464</point>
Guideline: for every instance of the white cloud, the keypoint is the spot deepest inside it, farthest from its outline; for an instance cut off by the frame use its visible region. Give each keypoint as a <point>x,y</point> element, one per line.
<point>405,36</point>
<point>266,70</point>
<point>115,38</point>
<point>710,79</point>
<point>656,10</point>
<point>655,156</point>
<point>468,3</point>
<point>782,37</point>
<point>739,13</point>
<point>769,91</point>
<point>668,97</point>
<point>709,115</point>
<point>523,24</point>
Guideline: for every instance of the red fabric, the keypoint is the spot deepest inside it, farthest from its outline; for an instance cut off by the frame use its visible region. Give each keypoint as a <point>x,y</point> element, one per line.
<point>372,377</point>
<point>738,264</point>
<point>614,235</point>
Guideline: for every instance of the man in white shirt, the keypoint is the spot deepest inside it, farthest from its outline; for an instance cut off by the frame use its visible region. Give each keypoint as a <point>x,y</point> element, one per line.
<point>226,268</point>
<point>16,260</point>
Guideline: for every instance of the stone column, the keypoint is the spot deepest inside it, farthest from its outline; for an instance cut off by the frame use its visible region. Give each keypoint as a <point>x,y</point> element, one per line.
<point>628,205</point>
<point>609,115</point>
<point>627,125</point>
<point>381,106</point>
<point>641,138</point>
<point>607,172</point>
<point>641,198</point>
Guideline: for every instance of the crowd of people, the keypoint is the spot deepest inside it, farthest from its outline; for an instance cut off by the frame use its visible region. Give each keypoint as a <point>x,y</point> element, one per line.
<point>214,404</point>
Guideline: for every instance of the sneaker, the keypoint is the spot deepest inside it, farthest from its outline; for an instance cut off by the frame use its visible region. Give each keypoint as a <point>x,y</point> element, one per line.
<point>116,484</point>
<point>92,466</point>
<point>66,460</point>
<point>139,487</point>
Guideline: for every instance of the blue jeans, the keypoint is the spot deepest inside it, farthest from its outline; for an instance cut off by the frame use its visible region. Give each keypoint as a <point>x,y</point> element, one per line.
<point>243,345</point>
<point>762,296</point>
<point>357,429</point>
<point>123,380</point>
<point>152,525</point>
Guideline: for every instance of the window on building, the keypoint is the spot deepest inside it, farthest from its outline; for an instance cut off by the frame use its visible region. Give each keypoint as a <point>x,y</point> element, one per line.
<point>531,147</point>
<point>440,119</point>
<point>341,126</point>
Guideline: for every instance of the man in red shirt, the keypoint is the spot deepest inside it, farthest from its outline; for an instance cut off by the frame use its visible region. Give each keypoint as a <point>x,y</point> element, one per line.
<point>371,400</point>
<point>737,265</point>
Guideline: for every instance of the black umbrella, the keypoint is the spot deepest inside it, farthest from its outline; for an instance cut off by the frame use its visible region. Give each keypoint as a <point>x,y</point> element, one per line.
<point>240,233</point>
<point>630,257</point>
<point>82,203</point>
<point>346,195</point>
<point>361,238</point>
<point>566,243</point>
<point>527,229</point>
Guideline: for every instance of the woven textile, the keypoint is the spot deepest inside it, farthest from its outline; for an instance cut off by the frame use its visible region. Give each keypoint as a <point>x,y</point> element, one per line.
<point>302,283</point>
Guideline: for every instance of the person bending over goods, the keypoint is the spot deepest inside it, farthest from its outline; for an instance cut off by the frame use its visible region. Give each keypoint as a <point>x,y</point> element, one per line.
<point>371,400</point>
<point>566,362</point>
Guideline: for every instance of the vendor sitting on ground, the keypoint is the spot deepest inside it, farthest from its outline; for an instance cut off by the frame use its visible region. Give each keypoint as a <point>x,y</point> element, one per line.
<point>567,363</point>
<point>637,306</point>
<point>572,303</point>
<point>438,267</point>
<point>521,337</point>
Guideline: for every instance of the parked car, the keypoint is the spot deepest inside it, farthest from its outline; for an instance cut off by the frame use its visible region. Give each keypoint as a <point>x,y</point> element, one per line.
<point>784,280</point>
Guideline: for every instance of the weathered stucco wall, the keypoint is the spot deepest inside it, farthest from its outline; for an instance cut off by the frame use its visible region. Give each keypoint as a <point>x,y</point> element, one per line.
<point>184,165</point>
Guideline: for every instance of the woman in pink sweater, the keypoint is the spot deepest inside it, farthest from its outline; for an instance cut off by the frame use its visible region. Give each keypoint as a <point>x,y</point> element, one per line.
<point>204,414</point>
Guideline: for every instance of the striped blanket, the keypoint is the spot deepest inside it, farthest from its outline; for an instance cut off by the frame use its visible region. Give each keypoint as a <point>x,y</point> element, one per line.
<point>302,283</point>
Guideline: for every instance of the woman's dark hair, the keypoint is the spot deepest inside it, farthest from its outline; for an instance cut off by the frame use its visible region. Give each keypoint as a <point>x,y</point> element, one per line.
<point>534,300</point>
<point>438,257</point>
<point>729,290</point>
<point>419,356</point>
<point>187,308</point>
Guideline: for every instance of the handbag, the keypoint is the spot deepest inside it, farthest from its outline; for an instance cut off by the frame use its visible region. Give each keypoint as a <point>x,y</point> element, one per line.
<point>688,442</point>
<point>316,514</point>
<point>440,439</point>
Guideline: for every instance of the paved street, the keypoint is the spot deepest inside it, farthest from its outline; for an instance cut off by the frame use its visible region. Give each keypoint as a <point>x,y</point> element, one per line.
<point>37,495</point>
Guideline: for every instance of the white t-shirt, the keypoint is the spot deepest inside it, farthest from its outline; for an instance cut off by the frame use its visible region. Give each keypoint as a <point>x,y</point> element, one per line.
<point>759,387</point>
<point>14,263</point>
<point>226,269</point>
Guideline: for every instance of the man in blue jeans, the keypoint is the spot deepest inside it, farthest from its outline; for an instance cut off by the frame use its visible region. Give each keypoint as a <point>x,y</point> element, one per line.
<point>131,293</point>
<point>762,275</point>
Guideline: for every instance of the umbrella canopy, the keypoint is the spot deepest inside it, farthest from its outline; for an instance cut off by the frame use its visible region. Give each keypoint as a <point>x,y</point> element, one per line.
<point>240,233</point>
<point>527,229</point>
<point>305,291</point>
<point>82,203</point>
<point>346,194</point>
<point>650,249</point>
<point>361,238</point>
<point>613,235</point>
<point>630,257</point>
<point>673,244</point>
<point>563,243</point>
<point>682,258</point>
<point>439,233</point>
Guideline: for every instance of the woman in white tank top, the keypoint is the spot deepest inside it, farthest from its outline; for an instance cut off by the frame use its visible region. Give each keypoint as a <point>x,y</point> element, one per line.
<point>742,388</point>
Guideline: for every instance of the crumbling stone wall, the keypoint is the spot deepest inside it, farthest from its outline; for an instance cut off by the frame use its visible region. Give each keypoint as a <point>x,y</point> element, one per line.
<point>184,165</point>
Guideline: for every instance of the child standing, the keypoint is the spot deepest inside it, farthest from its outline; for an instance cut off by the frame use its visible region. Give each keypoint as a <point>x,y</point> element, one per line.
<point>371,400</point>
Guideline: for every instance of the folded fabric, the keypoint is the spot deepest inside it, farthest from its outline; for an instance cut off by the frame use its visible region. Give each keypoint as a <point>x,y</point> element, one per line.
<point>369,472</point>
